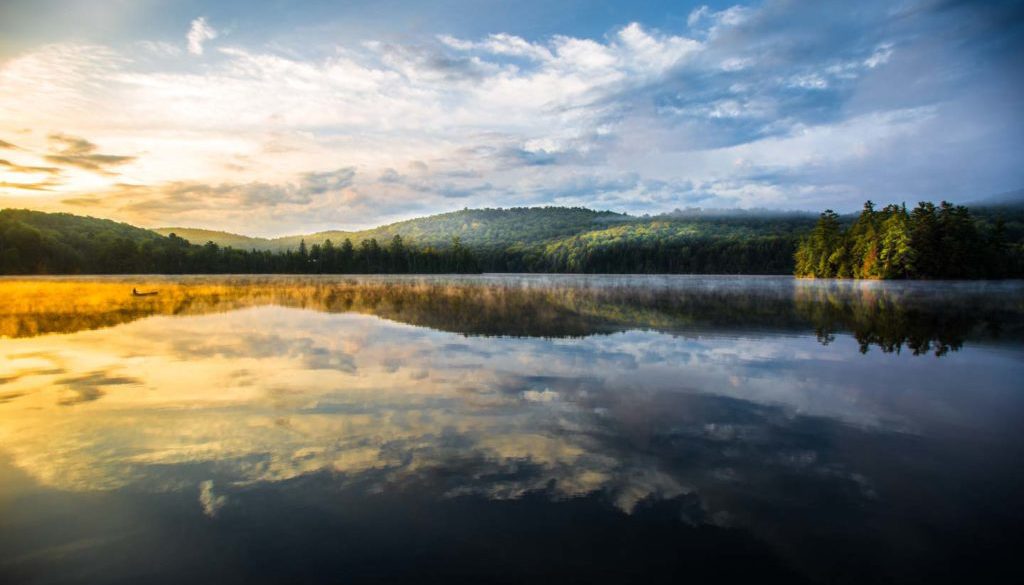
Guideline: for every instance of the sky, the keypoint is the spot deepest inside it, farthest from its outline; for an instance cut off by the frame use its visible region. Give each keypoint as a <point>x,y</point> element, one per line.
<point>282,117</point>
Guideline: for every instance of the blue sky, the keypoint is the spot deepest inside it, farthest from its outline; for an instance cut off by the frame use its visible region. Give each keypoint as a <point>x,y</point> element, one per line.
<point>281,117</point>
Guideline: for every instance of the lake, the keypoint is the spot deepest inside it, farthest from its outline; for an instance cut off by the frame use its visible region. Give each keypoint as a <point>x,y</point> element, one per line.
<point>623,429</point>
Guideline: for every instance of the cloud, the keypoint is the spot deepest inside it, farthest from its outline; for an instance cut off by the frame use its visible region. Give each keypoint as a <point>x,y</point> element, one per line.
<point>161,49</point>
<point>210,502</point>
<point>438,186</point>
<point>881,56</point>
<point>34,186</point>
<point>198,33</point>
<point>500,44</point>
<point>28,169</point>
<point>691,113</point>
<point>315,183</point>
<point>255,204</point>
<point>5,144</point>
<point>696,15</point>
<point>79,152</point>
<point>89,387</point>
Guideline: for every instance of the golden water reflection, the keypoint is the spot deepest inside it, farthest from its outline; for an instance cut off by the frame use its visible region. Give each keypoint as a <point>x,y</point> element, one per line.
<point>721,395</point>
<point>889,316</point>
<point>235,378</point>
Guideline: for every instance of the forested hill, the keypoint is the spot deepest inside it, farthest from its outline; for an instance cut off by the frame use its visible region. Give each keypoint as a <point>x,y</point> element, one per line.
<point>561,239</point>
<point>33,242</point>
<point>478,228</point>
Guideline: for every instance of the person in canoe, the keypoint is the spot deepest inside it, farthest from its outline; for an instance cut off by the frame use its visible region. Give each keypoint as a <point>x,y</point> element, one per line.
<point>136,293</point>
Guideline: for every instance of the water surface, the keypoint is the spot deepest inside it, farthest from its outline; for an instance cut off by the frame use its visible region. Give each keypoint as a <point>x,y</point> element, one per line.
<point>503,428</point>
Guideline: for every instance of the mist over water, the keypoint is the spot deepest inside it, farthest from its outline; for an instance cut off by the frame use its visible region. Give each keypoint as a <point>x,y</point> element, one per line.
<point>503,428</point>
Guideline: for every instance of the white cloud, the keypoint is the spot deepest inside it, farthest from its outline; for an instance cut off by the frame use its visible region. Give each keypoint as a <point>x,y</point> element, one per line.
<point>544,395</point>
<point>199,32</point>
<point>208,500</point>
<point>500,44</point>
<point>713,23</point>
<point>498,120</point>
<point>809,81</point>
<point>696,15</point>
<point>160,48</point>
<point>881,56</point>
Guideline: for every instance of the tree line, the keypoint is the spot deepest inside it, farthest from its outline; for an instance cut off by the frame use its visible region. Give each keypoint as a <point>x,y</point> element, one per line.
<point>943,241</point>
<point>663,245</point>
<point>95,247</point>
<point>928,242</point>
<point>369,257</point>
<point>693,255</point>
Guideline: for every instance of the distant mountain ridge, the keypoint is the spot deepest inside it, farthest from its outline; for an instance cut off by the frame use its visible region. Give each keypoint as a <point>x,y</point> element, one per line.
<point>201,236</point>
<point>478,228</point>
<point>493,228</point>
<point>1013,198</point>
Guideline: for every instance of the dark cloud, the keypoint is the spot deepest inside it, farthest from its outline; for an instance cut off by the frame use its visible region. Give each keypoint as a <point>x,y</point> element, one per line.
<point>446,189</point>
<point>38,186</point>
<point>89,387</point>
<point>79,152</point>
<point>5,144</point>
<point>451,191</point>
<point>8,396</point>
<point>316,183</point>
<point>187,196</point>
<point>460,174</point>
<point>530,158</point>
<point>588,185</point>
<point>432,62</point>
<point>390,176</point>
<point>28,169</point>
<point>81,201</point>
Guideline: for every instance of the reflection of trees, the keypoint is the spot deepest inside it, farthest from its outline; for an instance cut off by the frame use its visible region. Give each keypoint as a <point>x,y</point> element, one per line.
<point>889,318</point>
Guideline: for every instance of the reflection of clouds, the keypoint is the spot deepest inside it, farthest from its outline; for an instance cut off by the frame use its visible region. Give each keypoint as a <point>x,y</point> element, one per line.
<point>270,394</point>
<point>90,386</point>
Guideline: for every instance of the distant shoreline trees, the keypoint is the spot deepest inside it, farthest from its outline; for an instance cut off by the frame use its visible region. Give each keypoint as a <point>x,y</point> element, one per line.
<point>929,242</point>
<point>943,241</point>
<point>25,249</point>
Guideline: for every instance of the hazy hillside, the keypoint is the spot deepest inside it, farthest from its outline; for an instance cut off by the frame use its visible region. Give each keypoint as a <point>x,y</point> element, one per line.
<point>72,227</point>
<point>477,228</point>
<point>201,236</point>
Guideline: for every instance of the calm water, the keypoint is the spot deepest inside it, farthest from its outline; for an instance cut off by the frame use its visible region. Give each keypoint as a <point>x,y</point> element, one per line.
<point>481,429</point>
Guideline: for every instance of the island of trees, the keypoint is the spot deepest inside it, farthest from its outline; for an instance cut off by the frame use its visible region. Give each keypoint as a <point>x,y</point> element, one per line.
<point>929,242</point>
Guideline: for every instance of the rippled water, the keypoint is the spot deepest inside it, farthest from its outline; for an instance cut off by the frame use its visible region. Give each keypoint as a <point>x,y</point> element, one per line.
<point>505,428</point>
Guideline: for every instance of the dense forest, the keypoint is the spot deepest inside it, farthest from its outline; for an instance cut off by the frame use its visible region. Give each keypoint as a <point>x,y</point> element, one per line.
<point>664,246</point>
<point>32,242</point>
<point>575,239</point>
<point>942,241</point>
<point>929,242</point>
